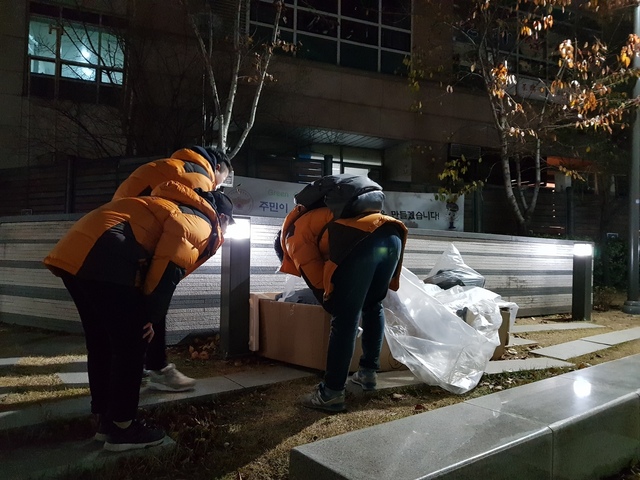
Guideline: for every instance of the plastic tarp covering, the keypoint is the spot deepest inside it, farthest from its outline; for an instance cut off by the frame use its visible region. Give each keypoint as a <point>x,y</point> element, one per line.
<point>425,333</point>
<point>451,270</point>
<point>445,337</point>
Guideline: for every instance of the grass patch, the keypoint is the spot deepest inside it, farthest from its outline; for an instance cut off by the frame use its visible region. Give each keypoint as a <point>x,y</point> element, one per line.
<point>34,380</point>
<point>30,396</point>
<point>47,361</point>
<point>27,381</point>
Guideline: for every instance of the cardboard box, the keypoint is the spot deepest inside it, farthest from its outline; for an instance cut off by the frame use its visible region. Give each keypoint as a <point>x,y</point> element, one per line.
<point>503,333</point>
<point>297,333</point>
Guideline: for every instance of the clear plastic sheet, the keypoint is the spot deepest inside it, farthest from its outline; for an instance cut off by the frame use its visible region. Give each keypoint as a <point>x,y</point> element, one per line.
<point>451,270</point>
<point>425,333</point>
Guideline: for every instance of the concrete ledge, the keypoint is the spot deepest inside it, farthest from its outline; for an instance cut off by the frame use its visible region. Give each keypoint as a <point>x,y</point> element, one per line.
<point>583,424</point>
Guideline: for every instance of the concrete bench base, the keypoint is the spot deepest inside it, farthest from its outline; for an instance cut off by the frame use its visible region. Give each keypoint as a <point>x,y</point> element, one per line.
<point>580,425</point>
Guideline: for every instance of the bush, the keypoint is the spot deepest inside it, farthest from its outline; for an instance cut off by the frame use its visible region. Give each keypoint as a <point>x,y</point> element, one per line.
<point>603,298</point>
<point>610,264</point>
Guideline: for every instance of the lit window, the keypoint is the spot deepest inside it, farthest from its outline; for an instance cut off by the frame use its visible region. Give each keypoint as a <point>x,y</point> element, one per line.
<point>74,55</point>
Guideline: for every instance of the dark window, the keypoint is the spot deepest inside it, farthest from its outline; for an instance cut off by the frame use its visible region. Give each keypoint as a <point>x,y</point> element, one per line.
<point>315,22</point>
<point>318,49</point>
<point>263,12</point>
<point>264,34</point>
<point>396,13</point>
<point>329,6</point>
<point>359,32</point>
<point>358,36</point>
<point>396,40</point>
<point>359,57</point>
<point>392,63</point>
<point>44,9</point>
<point>80,17</point>
<point>361,9</point>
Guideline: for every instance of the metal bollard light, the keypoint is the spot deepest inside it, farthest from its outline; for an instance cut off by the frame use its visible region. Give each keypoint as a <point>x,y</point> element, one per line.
<point>582,290</point>
<point>234,291</point>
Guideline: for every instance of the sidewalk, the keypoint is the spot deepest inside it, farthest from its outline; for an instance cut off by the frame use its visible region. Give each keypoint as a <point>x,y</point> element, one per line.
<point>56,459</point>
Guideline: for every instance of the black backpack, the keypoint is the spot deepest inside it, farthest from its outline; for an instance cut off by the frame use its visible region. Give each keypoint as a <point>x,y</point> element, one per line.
<point>346,195</point>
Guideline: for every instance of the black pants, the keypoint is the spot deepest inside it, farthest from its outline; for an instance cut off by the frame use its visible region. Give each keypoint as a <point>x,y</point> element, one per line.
<point>112,318</point>
<point>156,358</point>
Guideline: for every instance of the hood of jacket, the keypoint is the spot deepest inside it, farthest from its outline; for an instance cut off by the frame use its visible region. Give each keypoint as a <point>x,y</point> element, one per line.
<point>184,195</point>
<point>202,159</point>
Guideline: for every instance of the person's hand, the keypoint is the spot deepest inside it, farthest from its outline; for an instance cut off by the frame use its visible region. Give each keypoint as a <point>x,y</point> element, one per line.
<point>147,332</point>
<point>223,220</point>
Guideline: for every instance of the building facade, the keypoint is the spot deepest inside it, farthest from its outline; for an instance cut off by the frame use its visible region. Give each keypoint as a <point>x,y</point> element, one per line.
<point>343,94</point>
<point>110,79</point>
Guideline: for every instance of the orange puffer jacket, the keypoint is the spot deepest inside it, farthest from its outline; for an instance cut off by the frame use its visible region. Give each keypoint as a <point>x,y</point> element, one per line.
<point>314,243</point>
<point>147,242</point>
<point>185,166</point>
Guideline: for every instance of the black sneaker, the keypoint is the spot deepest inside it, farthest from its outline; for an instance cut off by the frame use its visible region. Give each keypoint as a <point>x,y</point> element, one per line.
<point>101,433</point>
<point>136,435</point>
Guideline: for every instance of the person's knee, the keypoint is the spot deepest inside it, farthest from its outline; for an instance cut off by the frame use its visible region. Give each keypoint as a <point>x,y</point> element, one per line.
<point>372,309</point>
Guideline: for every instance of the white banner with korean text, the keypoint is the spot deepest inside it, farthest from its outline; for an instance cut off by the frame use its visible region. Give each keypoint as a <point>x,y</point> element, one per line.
<point>262,198</point>
<point>422,210</point>
<point>269,198</point>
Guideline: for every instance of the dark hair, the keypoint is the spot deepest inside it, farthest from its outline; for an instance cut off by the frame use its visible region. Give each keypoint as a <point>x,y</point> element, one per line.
<point>214,155</point>
<point>277,246</point>
<point>221,202</point>
<point>224,204</point>
<point>219,157</point>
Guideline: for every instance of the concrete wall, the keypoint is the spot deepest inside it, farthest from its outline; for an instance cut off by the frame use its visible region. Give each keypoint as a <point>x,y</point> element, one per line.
<point>534,273</point>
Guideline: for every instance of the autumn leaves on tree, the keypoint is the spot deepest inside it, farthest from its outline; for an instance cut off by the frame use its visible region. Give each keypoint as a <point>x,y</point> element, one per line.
<point>545,66</point>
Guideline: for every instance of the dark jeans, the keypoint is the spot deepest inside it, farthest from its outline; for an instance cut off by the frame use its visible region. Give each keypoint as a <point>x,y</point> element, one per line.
<point>360,283</point>
<point>112,319</point>
<point>156,358</point>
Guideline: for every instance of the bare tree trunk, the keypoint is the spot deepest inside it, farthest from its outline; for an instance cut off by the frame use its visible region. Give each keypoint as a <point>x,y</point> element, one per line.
<point>536,188</point>
<point>278,4</point>
<point>523,198</point>
<point>225,114</point>
<point>506,176</point>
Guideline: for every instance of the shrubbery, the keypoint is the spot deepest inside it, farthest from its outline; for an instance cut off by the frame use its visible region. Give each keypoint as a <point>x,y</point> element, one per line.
<point>610,264</point>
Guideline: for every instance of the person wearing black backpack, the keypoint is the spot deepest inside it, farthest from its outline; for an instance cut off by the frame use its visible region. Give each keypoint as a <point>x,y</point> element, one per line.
<point>350,263</point>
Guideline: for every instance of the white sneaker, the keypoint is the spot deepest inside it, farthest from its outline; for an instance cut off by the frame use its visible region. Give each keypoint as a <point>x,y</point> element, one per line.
<point>170,379</point>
